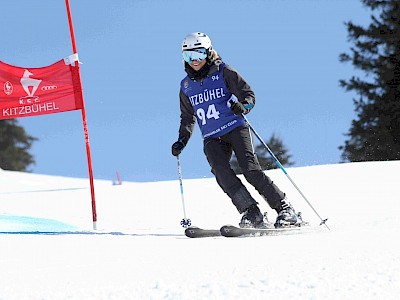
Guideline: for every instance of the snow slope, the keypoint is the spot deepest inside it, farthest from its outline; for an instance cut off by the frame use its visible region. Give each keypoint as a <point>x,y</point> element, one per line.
<point>147,256</point>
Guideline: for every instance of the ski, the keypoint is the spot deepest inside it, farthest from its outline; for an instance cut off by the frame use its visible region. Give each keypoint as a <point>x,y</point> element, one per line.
<point>196,232</point>
<point>233,231</point>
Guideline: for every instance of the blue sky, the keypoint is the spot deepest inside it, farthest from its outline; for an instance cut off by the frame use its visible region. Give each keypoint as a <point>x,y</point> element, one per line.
<point>131,52</point>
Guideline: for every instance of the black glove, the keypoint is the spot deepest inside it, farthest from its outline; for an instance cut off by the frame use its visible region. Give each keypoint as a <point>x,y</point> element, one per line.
<point>237,108</point>
<point>177,148</point>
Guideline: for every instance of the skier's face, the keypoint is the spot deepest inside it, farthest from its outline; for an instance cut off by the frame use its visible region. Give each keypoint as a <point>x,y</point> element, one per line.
<point>197,65</point>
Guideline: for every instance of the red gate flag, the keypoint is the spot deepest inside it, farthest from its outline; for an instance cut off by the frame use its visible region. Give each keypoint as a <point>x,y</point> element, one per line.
<point>37,91</point>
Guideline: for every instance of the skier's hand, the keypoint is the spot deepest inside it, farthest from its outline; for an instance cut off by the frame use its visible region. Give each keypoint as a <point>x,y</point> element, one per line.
<point>237,108</point>
<point>177,148</point>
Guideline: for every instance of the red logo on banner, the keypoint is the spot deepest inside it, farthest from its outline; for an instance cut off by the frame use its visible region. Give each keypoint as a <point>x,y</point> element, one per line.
<point>38,91</point>
<point>8,88</point>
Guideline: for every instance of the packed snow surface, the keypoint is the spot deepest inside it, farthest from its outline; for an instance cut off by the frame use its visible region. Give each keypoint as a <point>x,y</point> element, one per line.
<point>49,250</point>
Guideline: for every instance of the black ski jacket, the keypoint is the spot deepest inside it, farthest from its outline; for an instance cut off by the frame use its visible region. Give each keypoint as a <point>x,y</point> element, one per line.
<point>235,84</point>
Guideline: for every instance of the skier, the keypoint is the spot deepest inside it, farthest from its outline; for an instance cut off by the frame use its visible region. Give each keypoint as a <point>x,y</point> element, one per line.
<point>217,96</point>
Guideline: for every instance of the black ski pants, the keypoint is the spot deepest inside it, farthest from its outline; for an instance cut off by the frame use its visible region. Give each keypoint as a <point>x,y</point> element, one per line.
<point>219,152</point>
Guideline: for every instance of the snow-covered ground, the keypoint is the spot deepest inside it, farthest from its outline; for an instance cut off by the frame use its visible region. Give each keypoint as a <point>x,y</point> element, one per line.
<point>148,257</point>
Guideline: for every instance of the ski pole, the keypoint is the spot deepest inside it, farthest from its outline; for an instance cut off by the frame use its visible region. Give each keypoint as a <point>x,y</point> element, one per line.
<point>323,221</point>
<point>185,222</point>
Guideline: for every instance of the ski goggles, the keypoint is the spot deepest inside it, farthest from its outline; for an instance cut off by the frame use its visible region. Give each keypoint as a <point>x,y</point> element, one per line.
<point>194,54</point>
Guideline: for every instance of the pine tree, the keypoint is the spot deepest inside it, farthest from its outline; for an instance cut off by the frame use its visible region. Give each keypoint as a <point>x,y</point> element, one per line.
<point>375,134</point>
<point>14,146</point>
<point>279,149</point>
<point>266,161</point>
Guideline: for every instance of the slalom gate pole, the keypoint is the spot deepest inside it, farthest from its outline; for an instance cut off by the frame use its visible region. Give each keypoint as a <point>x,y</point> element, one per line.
<point>119,179</point>
<point>85,127</point>
<point>185,222</point>
<point>323,221</point>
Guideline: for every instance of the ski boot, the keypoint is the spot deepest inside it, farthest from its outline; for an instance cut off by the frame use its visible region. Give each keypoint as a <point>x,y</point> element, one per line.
<point>252,218</point>
<point>287,217</point>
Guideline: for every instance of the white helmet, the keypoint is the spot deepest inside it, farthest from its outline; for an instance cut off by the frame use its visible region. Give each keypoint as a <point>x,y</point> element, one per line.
<point>196,40</point>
